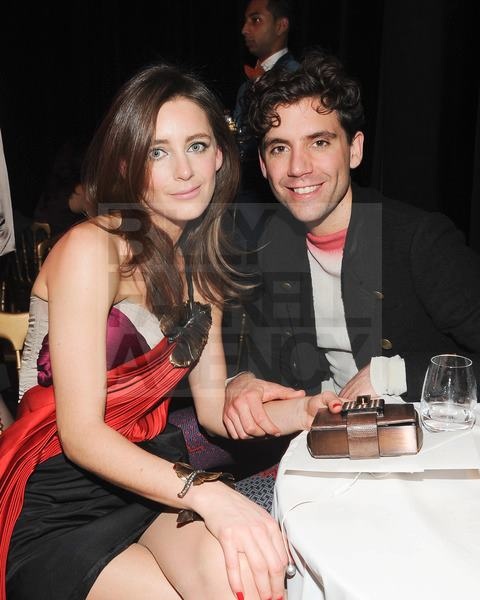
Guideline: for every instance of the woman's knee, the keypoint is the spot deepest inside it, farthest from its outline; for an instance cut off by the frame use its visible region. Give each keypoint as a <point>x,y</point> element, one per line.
<point>193,560</point>
<point>190,557</point>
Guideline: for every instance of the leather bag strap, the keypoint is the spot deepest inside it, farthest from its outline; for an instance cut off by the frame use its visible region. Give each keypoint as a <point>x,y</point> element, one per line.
<point>362,435</point>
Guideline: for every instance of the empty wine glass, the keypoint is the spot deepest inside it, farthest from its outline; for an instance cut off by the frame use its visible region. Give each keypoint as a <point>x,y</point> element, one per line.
<point>449,394</point>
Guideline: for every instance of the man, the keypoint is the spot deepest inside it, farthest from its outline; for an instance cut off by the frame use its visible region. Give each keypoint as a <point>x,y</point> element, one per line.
<point>358,291</point>
<point>7,238</point>
<point>7,244</point>
<point>266,29</point>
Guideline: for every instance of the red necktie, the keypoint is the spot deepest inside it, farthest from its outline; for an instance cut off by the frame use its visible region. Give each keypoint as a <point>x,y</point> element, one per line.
<point>255,72</point>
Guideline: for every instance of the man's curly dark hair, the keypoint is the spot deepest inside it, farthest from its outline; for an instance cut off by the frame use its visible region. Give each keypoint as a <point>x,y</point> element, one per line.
<point>321,76</point>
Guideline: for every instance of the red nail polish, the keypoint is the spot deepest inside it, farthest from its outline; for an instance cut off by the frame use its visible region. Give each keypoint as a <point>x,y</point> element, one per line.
<point>239,595</point>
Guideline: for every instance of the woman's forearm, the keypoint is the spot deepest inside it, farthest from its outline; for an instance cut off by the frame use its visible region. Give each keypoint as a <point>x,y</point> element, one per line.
<point>109,455</point>
<point>289,415</point>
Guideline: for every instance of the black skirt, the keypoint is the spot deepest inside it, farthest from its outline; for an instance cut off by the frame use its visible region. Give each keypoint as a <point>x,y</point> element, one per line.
<point>73,524</point>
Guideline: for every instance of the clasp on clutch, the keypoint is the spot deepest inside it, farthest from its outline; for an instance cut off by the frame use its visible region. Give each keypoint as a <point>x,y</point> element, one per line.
<point>364,404</point>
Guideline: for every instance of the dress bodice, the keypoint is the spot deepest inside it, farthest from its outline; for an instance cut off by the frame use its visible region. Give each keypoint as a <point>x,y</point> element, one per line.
<point>131,330</point>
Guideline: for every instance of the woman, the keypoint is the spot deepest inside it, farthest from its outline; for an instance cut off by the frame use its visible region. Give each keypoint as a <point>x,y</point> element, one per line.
<point>143,279</point>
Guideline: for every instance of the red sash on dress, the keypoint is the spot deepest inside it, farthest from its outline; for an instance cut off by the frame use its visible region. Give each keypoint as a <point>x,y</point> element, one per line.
<point>136,407</point>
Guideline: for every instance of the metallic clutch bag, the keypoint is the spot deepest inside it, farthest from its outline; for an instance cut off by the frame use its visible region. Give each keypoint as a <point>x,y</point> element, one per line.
<point>366,428</point>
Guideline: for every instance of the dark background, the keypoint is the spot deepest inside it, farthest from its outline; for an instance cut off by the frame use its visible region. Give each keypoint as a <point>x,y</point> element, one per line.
<point>417,61</point>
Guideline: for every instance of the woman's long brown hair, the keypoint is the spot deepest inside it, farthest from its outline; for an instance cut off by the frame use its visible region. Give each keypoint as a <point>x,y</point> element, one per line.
<point>117,171</point>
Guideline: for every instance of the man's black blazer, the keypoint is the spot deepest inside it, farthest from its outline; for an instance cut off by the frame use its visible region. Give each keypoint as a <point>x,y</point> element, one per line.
<point>410,286</point>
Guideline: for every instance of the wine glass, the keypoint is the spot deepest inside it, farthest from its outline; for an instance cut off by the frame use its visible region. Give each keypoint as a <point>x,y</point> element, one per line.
<point>449,394</point>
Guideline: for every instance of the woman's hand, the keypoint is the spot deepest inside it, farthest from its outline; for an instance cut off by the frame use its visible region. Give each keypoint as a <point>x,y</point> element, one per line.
<point>324,400</point>
<point>246,530</point>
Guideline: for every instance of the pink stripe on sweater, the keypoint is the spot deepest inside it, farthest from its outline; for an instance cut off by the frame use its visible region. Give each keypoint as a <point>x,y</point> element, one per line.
<point>332,242</point>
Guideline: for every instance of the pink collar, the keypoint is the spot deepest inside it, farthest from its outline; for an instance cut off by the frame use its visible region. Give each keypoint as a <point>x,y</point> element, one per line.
<point>331,242</point>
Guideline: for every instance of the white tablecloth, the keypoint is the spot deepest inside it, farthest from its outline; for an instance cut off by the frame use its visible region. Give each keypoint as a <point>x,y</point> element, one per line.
<point>397,536</point>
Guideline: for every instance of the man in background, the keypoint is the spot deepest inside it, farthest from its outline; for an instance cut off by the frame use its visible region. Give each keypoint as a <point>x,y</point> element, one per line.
<point>7,244</point>
<point>7,238</point>
<point>265,30</point>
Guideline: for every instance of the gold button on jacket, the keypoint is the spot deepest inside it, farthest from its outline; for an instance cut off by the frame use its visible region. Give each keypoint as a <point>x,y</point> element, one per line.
<point>387,344</point>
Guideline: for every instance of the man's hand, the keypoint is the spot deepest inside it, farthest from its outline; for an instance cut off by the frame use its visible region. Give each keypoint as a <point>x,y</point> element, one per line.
<point>244,415</point>
<point>359,385</point>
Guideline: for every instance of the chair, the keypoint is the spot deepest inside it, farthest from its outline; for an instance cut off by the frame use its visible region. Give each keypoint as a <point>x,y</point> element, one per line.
<point>20,268</point>
<point>41,243</point>
<point>28,251</point>
<point>42,249</point>
<point>13,327</point>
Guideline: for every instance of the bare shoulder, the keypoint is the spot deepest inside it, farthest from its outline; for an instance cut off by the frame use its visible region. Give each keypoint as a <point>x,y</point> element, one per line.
<point>86,241</point>
<point>87,247</point>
